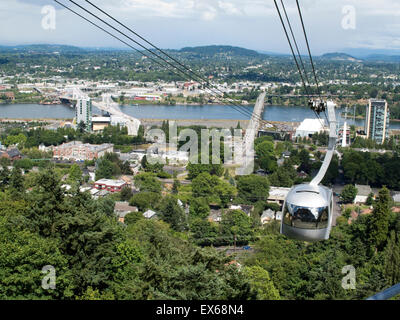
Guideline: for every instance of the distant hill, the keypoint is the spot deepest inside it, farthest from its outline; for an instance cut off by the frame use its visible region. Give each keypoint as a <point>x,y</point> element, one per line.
<point>382,58</point>
<point>339,56</point>
<point>43,48</point>
<point>350,55</point>
<point>217,50</point>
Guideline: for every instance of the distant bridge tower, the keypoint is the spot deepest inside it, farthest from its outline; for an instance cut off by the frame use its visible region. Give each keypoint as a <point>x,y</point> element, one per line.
<point>344,136</point>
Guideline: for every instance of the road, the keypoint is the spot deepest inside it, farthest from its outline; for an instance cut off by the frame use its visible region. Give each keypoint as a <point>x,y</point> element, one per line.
<point>112,108</point>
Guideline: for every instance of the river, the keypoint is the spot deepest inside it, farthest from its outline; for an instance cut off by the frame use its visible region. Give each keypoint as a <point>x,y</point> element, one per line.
<point>271,113</point>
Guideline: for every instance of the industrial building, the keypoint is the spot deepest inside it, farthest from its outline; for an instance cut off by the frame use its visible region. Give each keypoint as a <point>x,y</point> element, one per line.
<point>377,120</point>
<point>99,123</point>
<point>310,126</point>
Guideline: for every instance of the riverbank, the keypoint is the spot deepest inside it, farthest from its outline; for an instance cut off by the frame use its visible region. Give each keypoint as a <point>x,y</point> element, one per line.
<point>208,115</point>
<point>211,123</point>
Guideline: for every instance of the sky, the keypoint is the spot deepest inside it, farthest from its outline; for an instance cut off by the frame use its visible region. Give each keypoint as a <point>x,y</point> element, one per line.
<point>332,25</point>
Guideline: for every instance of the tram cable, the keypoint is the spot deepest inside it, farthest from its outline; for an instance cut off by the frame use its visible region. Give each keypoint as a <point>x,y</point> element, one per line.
<point>199,76</point>
<point>235,106</point>
<point>295,42</point>
<point>294,56</point>
<point>310,55</point>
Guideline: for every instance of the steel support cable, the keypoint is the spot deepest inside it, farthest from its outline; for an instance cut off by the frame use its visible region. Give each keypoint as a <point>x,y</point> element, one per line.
<point>291,48</point>
<point>294,56</point>
<point>109,33</point>
<point>295,42</point>
<point>140,52</point>
<point>242,111</point>
<point>119,39</point>
<point>199,76</point>
<point>308,48</point>
<point>299,55</point>
<point>310,55</point>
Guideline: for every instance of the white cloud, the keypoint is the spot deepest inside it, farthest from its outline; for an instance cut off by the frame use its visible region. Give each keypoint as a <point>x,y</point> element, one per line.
<point>177,23</point>
<point>229,8</point>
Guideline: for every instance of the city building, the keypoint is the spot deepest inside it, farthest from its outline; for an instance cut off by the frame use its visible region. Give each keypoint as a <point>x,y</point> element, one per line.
<point>99,123</point>
<point>396,196</point>
<point>12,154</point>
<point>278,194</point>
<point>269,215</point>
<point>9,95</point>
<point>84,112</point>
<point>276,135</point>
<point>363,192</point>
<point>110,185</point>
<point>377,120</point>
<point>77,151</point>
<point>310,126</point>
<point>122,208</point>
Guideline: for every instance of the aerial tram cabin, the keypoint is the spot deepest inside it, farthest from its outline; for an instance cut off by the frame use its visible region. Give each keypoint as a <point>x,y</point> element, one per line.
<point>308,208</point>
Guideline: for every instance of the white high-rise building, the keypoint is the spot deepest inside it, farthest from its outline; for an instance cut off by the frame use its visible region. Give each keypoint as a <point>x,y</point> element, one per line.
<point>377,120</point>
<point>84,112</point>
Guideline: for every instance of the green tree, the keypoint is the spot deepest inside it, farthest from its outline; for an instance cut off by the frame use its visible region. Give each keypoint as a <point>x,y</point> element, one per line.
<point>261,283</point>
<point>252,188</point>
<point>171,212</point>
<point>204,232</point>
<point>199,207</point>
<point>281,178</point>
<point>175,186</point>
<point>126,193</point>
<point>265,149</point>
<point>216,191</point>
<point>392,259</point>
<point>75,173</point>
<point>236,223</point>
<point>18,140</point>
<point>4,177</point>
<point>16,183</point>
<point>378,225</point>
<point>147,182</point>
<point>81,127</point>
<point>145,200</point>
<point>348,194</point>
<point>106,170</point>
<point>370,199</point>
<point>23,254</point>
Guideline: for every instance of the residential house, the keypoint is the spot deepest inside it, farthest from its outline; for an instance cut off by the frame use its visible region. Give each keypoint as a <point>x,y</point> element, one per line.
<point>150,214</point>
<point>122,208</point>
<point>363,192</point>
<point>110,185</point>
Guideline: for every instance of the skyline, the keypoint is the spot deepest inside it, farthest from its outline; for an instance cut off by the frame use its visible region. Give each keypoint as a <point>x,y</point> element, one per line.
<point>175,24</point>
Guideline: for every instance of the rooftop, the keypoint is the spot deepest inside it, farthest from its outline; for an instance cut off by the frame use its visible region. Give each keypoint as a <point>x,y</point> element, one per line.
<point>111,182</point>
<point>363,190</point>
<point>92,147</point>
<point>312,125</point>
